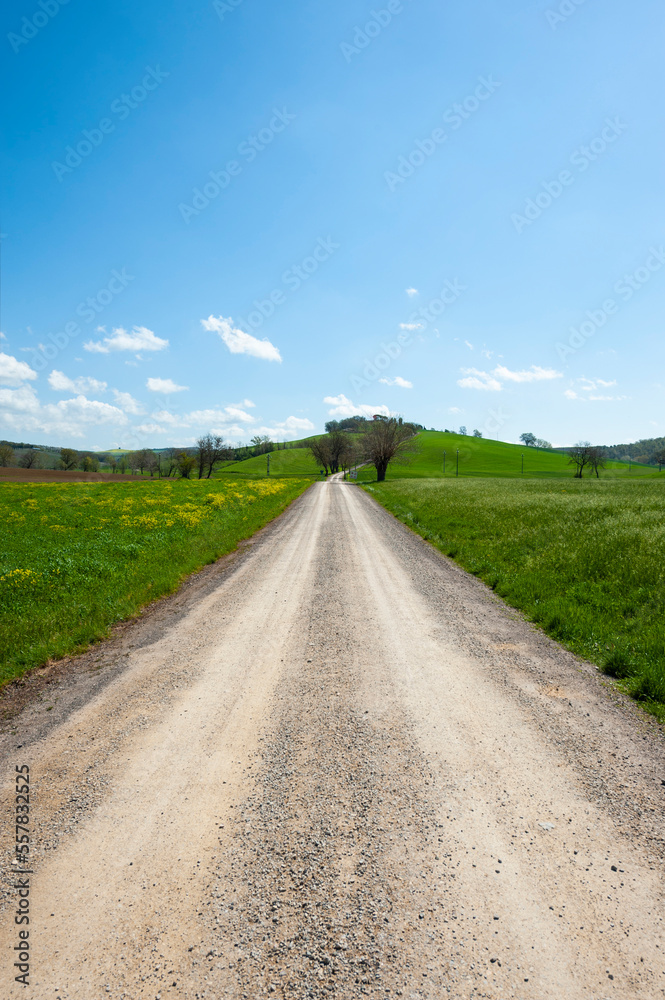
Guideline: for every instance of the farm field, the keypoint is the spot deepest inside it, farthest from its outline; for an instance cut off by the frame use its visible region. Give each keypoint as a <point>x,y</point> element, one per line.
<point>582,559</point>
<point>483,457</point>
<point>77,557</point>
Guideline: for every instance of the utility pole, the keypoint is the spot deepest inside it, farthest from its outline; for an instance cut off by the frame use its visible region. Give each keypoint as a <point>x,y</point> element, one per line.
<point>457,466</point>
<point>268,463</point>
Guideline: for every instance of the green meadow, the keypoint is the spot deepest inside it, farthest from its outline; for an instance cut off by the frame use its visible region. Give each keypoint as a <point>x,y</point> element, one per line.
<point>483,457</point>
<point>77,557</point>
<point>583,559</point>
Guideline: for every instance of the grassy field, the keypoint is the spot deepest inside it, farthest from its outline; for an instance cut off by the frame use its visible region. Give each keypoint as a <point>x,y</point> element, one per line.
<point>76,558</point>
<point>482,457</point>
<point>584,559</point>
<point>287,462</point>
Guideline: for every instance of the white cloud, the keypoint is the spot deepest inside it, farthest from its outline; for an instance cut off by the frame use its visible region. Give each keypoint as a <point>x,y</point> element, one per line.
<point>493,381</point>
<point>454,409</point>
<point>398,380</point>
<point>3,336</point>
<point>165,385</point>
<point>13,371</point>
<point>534,374</point>
<point>411,292</point>
<point>411,326</point>
<point>140,339</point>
<point>478,380</point>
<point>343,407</point>
<point>239,342</point>
<point>296,424</point>
<point>127,402</point>
<point>470,346</point>
<point>237,413</point>
<point>149,429</point>
<point>590,386</point>
<point>62,383</point>
<point>21,411</point>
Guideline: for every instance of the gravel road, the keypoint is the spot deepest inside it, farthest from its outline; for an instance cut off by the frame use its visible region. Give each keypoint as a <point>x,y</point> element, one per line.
<point>344,768</point>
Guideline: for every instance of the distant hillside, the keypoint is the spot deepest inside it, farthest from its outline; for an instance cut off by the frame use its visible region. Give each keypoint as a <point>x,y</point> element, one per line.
<point>484,457</point>
<point>639,451</point>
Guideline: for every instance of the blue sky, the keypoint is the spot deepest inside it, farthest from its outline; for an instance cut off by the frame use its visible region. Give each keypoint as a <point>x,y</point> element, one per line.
<point>249,217</point>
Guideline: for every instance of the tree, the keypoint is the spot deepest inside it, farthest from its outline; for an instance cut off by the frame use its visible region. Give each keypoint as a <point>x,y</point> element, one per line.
<point>579,457</point>
<point>596,460</point>
<point>462,430</point>
<point>658,458</point>
<point>89,464</point>
<point>170,459</point>
<point>211,451</point>
<point>112,461</point>
<point>6,454</point>
<point>69,458</point>
<point>30,460</point>
<point>540,443</point>
<point>122,464</point>
<point>262,444</point>
<point>320,449</point>
<point>185,464</point>
<point>528,438</point>
<point>387,441</point>
<point>477,433</point>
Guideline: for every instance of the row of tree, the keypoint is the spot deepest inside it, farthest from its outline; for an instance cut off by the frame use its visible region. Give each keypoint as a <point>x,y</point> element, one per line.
<point>375,442</point>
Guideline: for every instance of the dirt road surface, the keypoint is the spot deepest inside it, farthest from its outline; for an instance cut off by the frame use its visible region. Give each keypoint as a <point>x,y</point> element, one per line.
<point>347,770</point>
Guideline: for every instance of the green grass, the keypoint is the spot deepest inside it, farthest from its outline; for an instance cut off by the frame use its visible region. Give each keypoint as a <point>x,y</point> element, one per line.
<point>77,557</point>
<point>286,462</point>
<point>482,457</point>
<point>583,559</point>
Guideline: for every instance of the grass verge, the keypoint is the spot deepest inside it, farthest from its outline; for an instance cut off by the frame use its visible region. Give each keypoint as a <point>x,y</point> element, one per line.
<point>584,560</point>
<point>76,558</point>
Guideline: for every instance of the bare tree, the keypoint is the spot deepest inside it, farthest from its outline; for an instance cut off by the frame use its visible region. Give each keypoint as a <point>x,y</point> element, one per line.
<point>320,449</point>
<point>541,443</point>
<point>579,457</point>
<point>211,451</point>
<point>387,441</point>
<point>6,455</point>
<point>528,439</point>
<point>597,460</point>
<point>462,430</point>
<point>477,433</point>
<point>30,460</point>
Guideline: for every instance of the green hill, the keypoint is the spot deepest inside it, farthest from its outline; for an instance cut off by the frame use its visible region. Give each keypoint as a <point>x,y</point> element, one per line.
<point>286,462</point>
<point>482,457</point>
